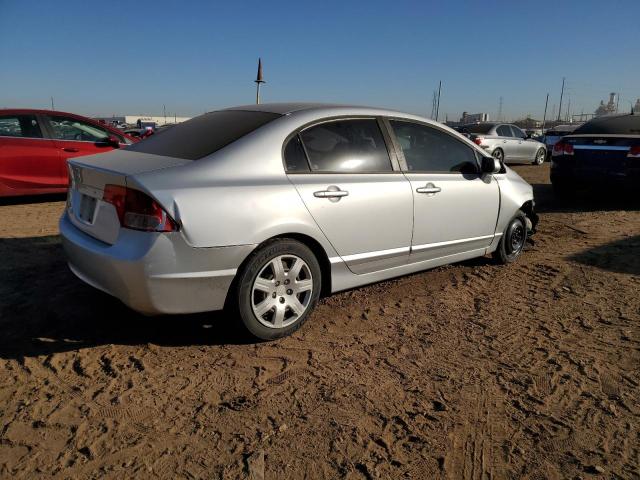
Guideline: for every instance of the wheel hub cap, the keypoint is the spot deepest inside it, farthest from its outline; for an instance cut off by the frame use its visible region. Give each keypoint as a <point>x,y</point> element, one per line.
<point>282,291</point>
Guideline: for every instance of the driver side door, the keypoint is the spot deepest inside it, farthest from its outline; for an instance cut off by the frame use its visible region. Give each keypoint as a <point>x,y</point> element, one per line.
<point>75,137</point>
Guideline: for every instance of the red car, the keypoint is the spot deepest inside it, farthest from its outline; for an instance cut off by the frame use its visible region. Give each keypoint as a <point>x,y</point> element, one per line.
<point>36,144</point>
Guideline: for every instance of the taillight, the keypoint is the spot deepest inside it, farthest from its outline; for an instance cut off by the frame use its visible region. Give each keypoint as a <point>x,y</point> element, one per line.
<point>562,148</point>
<point>137,210</point>
<point>478,140</point>
<point>634,152</point>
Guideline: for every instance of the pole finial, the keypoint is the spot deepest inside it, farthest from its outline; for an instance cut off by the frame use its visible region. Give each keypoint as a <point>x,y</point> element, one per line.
<point>259,78</point>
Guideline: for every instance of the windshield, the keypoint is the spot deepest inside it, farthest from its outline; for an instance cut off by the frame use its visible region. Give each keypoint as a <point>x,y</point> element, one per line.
<point>203,135</point>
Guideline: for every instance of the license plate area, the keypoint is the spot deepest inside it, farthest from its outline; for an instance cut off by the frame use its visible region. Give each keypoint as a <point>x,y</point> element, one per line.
<point>87,208</point>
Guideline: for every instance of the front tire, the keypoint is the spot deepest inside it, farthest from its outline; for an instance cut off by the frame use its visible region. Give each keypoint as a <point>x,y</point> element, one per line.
<point>499,154</point>
<point>278,288</point>
<point>540,156</point>
<point>513,240</point>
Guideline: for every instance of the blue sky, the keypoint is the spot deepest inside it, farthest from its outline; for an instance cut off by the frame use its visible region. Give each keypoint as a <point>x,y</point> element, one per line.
<point>128,57</point>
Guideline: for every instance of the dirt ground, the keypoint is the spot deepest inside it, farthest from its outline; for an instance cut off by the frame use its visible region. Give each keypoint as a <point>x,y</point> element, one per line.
<point>471,371</point>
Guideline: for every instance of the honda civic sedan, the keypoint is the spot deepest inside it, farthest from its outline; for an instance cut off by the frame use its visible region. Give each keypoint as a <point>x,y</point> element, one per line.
<point>262,209</point>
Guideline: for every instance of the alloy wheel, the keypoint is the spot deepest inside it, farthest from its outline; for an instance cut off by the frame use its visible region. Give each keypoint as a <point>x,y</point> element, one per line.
<point>281,291</point>
<point>540,157</point>
<point>497,154</point>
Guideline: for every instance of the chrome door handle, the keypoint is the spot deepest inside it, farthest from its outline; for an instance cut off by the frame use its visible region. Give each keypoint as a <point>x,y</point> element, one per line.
<point>331,192</point>
<point>429,188</point>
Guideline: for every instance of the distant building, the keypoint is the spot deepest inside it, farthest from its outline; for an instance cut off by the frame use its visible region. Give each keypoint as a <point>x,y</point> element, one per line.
<point>636,109</point>
<point>474,117</point>
<point>133,119</point>
<point>528,123</point>
<point>607,109</point>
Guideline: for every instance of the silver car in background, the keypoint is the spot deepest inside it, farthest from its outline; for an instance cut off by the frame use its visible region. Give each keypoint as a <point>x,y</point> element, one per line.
<point>506,142</point>
<point>261,209</point>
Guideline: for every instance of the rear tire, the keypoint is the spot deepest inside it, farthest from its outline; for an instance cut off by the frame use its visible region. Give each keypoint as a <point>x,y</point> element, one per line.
<point>278,288</point>
<point>540,156</point>
<point>513,240</point>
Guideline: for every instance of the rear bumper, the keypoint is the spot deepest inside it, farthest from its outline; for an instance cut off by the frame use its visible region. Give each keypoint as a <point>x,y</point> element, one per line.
<point>602,177</point>
<point>154,273</point>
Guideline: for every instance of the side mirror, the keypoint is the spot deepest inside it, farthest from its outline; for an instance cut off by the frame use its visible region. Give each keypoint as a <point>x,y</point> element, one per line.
<point>112,141</point>
<point>490,165</point>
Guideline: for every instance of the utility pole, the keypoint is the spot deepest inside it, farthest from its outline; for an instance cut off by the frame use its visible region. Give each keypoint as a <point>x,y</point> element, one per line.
<point>500,110</point>
<point>164,112</point>
<point>434,100</point>
<point>617,101</point>
<point>259,80</point>
<point>544,117</point>
<point>438,104</point>
<point>52,106</point>
<point>561,94</point>
<point>569,110</point>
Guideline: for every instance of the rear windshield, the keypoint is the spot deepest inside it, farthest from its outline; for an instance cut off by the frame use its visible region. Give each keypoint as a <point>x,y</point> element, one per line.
<point>479,128</point>
<point>203,135</point>
<point>614,125</point>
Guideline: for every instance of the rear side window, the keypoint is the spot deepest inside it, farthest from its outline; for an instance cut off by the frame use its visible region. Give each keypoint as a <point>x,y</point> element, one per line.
<point>25,126</point>
<point>504,131</point>
<point>295,159</point>
<point>203,135</point>
<point>346,146</point>
<point>427,149</point>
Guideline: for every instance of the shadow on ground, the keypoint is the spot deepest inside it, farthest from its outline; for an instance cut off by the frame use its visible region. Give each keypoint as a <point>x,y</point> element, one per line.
<point>622,256</point>
<point>27,199</point>
<point>45,309</point>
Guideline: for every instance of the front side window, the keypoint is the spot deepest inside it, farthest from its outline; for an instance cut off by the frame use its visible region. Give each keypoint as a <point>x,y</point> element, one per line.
<point>69,128</point>
<point>346,146</point>
<point>504,131</point>
<point>25,126</point>
<point>517,132</point>
<point>427,149</point>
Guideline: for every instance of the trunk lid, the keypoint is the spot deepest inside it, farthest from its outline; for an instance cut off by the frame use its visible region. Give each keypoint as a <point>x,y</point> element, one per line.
<point>88,177</point>
<point>602,154</point>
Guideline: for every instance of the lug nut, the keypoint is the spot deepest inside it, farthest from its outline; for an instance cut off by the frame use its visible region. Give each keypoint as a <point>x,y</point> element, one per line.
<point>289,292</point>
<point>281,299</point>
<point>286,282</point>
<point>277,284</point>
<point>273,295</point>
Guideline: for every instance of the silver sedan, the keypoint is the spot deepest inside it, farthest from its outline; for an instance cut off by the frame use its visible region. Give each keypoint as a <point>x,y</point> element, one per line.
<point>262,209</point>
<point>506,142</point>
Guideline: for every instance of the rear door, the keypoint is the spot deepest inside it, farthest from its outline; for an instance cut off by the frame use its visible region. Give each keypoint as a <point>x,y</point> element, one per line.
<point>28,160</point>
<point>343,171</point>
<point>508,143</point>
<point>75,137</point>
<point>455,207</point>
